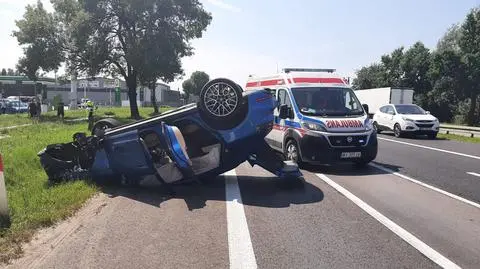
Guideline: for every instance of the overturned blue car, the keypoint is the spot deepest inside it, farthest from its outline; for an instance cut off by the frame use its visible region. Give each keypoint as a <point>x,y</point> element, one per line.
<point>194,142</point>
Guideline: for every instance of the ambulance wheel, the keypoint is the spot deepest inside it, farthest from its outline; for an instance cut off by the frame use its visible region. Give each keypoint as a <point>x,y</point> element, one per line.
<point>221,104</point>
<point>292,152</point>
<point>100,126</point>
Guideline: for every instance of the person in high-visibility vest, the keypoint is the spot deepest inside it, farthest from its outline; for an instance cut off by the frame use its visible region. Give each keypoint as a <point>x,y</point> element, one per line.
<point>90,114</point>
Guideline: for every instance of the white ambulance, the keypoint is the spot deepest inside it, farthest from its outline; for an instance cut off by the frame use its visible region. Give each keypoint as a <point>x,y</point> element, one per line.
<point>318,119</point>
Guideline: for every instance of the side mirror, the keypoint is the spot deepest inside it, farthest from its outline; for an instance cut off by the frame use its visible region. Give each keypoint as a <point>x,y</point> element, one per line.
<point>365,107</point>
<point>428,112</point>
<point>283,112</point>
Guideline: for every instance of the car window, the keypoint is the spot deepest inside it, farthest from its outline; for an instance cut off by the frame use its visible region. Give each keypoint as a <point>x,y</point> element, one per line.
<point>383,109</point>
<point>390,110</point>
<point>283,98</point>
<point>350,102</point>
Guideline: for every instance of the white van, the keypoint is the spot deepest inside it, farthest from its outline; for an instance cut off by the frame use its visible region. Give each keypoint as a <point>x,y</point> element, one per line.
<point>318,119</point>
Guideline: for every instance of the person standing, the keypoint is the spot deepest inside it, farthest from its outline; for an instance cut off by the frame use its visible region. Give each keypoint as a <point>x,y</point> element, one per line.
<point>90,108</point>
<point>32,110</point>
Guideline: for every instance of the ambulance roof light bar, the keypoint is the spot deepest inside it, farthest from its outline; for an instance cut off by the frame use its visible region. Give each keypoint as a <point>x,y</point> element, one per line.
<point>328,70</point>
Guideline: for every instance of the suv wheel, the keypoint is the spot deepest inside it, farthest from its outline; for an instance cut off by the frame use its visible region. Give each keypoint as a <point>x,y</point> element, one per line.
<point>397,130</point>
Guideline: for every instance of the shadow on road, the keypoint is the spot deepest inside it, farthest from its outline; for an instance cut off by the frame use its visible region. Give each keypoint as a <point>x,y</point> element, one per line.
<point>255,191</point>
<point>351,170</point>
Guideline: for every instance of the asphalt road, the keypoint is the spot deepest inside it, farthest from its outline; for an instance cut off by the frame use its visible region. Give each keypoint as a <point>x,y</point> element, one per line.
<point>444,170</point>
<point>342,218</point>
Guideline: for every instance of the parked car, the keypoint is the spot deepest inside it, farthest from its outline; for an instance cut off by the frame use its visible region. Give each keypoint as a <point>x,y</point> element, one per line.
<point>406,119</point>
<point>13,107</point>
<point>197,141</point>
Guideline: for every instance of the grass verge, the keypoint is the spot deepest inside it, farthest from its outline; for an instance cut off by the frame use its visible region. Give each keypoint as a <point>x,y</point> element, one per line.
<point>32,202</point>
<point>459,138</point>
<point>51,116</point>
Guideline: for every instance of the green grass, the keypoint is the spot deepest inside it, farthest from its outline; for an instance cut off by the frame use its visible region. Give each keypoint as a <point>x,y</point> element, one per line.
<point>459,138</point>
<point>32,202</point>
<point>51,116</point>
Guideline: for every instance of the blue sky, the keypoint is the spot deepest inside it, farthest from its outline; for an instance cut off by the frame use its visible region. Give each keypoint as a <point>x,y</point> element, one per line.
<point>253,37</point>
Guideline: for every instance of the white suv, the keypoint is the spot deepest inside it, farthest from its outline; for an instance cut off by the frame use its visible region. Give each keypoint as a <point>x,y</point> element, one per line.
<point>406,119</point>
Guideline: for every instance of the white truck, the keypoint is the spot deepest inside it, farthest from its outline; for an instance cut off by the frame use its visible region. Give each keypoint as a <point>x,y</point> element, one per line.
<point>377,97</point>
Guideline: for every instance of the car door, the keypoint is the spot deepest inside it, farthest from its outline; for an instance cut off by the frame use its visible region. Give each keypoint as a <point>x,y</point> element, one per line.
<point>270,137</point>
<point>285,123</point>
<point>390,117</point>
<point>275,137</point>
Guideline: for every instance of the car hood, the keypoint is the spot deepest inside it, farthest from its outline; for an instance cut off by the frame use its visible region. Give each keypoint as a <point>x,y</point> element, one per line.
<point>341,124</point>
<point>418,117</point>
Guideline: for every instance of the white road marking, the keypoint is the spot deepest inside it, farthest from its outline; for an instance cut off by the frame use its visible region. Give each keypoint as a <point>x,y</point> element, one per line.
<point>425,185</point>
<point>240,247</point>
<point>430,148</point>
<point>402,233</point>
<point>473,174</point>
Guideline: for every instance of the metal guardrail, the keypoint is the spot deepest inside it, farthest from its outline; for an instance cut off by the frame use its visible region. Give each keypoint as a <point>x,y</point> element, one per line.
<point>460,130</point>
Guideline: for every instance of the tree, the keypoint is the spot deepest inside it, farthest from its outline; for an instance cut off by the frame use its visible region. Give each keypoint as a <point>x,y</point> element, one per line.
<point>414,65</point>
<point>4,72</point>
<point>39,36</point>
<point>392,64</point>
<point>10,72</point>
<point>370,77</point>
<point>450,39</point>
<point>469,43</point>
<point>128,37</point>
<point>194,84</point>
<point>120,37</point>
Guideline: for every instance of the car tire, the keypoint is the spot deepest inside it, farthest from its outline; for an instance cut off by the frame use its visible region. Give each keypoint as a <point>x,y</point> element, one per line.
<point>100,126</point>
<point>292,152</point>
<point>221,104</point>
<point>377,128</point>
<point>397,130</point>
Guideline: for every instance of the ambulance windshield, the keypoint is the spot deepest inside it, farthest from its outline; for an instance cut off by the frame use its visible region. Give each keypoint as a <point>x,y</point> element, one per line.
<point>325,101</point>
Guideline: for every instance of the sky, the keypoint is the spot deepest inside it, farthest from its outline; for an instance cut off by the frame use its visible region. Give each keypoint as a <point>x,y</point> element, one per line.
<point>258,36</point>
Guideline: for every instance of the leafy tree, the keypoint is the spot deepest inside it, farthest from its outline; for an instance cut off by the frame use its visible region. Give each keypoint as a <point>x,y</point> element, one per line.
<point>4,72</point>
<point>10,72</point>
<point>119,37</point>
<point>450,39</point>
<point>39,36</point>
<point>194,84</point>
<point>392,64</point>
<point>469,44</point>
<point>368,77</point>
<point>415,64</point>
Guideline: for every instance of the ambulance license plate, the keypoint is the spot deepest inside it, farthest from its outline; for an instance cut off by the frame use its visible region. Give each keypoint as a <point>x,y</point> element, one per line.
<point>351,155</point>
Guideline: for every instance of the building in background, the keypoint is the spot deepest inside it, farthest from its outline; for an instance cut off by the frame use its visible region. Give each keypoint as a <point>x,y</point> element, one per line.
<point>102,91</point>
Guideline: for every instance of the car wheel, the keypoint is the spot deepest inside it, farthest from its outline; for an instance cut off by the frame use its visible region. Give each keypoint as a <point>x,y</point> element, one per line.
<point>292,152</point>
<point>397,131</point>
<point>100,126</point>
<point>377,128</point>
<point>222,104</point>
<point>432,136</point>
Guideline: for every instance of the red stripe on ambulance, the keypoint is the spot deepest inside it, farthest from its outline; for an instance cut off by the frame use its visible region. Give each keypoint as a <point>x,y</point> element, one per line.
<point>318,80</point>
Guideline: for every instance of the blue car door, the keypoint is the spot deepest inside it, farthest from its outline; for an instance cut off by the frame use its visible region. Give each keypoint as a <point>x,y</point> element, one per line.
<point>176,148</point>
